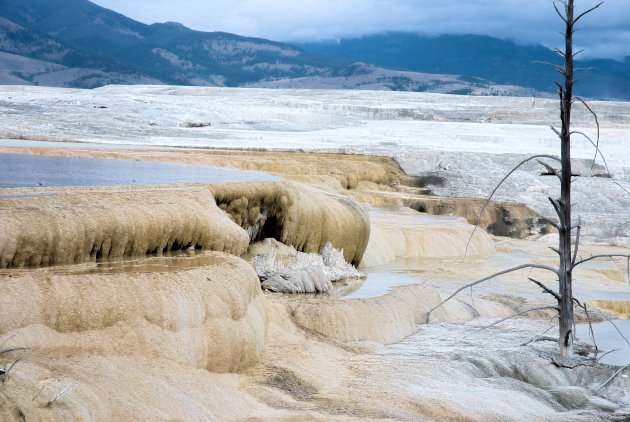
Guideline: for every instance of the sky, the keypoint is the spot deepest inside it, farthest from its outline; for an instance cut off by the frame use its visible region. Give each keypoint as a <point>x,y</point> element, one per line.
<point>604,33</point>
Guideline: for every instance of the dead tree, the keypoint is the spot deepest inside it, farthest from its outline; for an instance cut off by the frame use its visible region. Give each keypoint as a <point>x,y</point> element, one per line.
<point>567,251</point>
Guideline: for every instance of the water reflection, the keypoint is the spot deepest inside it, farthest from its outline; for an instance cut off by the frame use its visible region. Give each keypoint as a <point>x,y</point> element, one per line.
<point>26,170</point>
<point>609,337</point>
<point>378,284</point>
<point>165,262</point>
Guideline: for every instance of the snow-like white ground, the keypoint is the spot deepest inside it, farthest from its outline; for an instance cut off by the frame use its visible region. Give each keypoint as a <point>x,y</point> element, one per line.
<point>469,141</point>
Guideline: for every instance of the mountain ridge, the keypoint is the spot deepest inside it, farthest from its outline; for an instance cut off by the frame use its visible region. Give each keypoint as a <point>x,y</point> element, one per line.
<point>501,61</point>
<point>98,46</point>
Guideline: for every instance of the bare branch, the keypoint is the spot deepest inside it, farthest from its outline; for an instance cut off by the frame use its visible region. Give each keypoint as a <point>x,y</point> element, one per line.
<point>586,13</point>
<point>590,258</point>
<point>550,169</point>
<point>560,89</point>
<point>533,157</point>
<point>588,318</point>
<point>537,308</point>
<point>60,394</point>
<point>607,353</point>
<point>598,131</point>
<point>545,288</point>
<point>556,250</point>
<point>552,223</point>
<point>5,372</point>
<point>577,242</point>
<point>15,349</point>
<point>39,392</point>
<point>5,341</point>
<point>557,207</point>
<point>556,131</point>
<point>597,150</point>
<point>619,371</point>
<point>540,338</point>
<point>559,52</point>
<point>561,70</point>
<point>559,14</point>
<point>616,328</point>
<point>576,53</point>
<point>509,270</point>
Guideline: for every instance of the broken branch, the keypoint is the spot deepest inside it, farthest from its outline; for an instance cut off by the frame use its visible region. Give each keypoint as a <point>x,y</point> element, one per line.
<point>509,270</point>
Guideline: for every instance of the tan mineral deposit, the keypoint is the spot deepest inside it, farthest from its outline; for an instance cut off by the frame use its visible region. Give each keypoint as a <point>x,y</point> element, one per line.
<point>145,302</point>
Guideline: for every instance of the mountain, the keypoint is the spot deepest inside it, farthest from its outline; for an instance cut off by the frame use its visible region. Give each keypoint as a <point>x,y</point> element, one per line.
<point>369,77</point>
<point>78,33</point>
<point>76,43</point>
<point>27,57</point>
<point>500,61</point>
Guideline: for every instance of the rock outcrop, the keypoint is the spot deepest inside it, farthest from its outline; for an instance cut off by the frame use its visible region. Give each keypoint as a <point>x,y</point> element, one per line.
<point>77,225</point>
<point>283,269</point>
<point>209,317</point>
<point>301,217</point>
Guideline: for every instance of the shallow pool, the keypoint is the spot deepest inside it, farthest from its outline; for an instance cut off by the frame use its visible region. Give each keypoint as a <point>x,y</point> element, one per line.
<point>26,170</point>
<point>377,284</point>
<point>608,338</point>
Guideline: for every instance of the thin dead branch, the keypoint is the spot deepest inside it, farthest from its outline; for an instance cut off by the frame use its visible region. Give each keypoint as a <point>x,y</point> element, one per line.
<point>483,208</point>
<point>545,288</point>
<point>559,13</point>
<point>590,258</point>
<point>509,270</point>
<point>523,312</point>
<point>585,104</point>
<point>597,150</point>
<point>556,250</point>
<point>554,225</point>
<point>5,341</point>
<point>541,338</point>
<point>550,169</point>
<point>577,242</point>
<point>559,52</point>
<point>60,394</point>
<point>556,131</point>
<point>555,67</point>
<point>617,328</point>
<point>605,354</point>
<point>39,392</point>
<point>5,372</point>
<point>588,319</point>
<point>577,52</point>
<point>586,13</point>
<point>556,206</point>
<point>619,371</point>
<point>15,349</point>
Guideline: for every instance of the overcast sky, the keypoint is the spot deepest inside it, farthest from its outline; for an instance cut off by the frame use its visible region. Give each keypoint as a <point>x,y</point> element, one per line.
<point>605,33</point>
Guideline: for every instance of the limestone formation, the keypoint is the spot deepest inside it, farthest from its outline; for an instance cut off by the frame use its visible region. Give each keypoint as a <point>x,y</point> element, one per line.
<point>384,319</point>
<point>405,233</point>
<point>78,225</point>
<point>210,317</point>
<point>298,216</point>
<point>283,269</point>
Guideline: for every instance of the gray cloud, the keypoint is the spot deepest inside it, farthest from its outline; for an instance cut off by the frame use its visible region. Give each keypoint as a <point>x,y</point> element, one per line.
<point>604,33</point>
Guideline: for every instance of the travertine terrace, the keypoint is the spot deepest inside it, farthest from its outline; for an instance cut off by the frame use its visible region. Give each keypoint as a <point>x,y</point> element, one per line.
<point>140,302</point>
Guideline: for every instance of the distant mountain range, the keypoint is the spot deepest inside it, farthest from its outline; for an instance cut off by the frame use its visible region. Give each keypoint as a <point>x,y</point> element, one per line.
<point>75,43</point>
<point>500,61</point>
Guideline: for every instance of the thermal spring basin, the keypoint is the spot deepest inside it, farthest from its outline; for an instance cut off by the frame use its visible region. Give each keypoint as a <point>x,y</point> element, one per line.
<point>26,170</point>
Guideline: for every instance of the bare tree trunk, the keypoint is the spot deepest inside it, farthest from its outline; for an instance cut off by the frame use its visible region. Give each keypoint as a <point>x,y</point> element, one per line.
<point>567,252</point>
<point>563,209</point>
